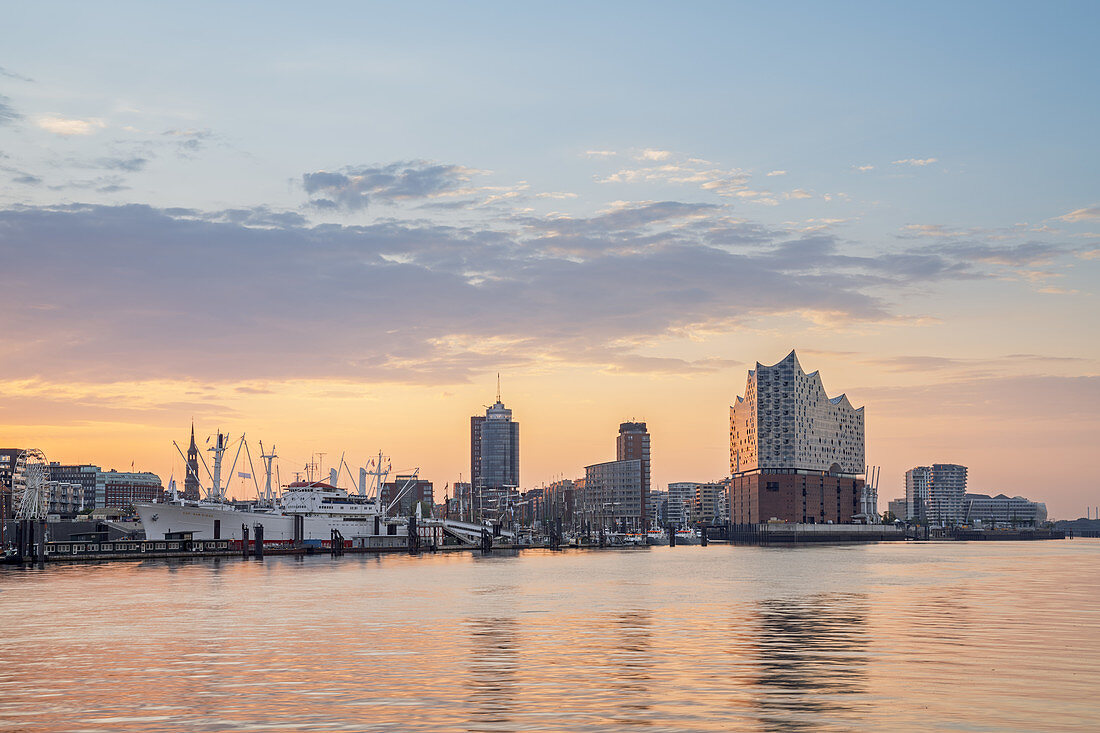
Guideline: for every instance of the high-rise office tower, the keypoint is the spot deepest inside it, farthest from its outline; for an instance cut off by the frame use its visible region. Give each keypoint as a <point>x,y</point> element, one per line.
<point>494,456</point>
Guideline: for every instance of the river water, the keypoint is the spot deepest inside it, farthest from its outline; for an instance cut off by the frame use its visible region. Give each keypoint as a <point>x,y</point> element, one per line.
<point>941,636</point>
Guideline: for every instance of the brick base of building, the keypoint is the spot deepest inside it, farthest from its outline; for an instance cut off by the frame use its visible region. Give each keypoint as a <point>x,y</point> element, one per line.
<point>793,497</point>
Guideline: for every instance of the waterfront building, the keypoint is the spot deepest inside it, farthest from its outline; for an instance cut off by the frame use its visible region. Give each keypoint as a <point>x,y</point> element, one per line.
<point>8,457</point>
<point>1001,509</point>
<point>796,454</point>
<point>494,457</point>
<point>562,500</point>
<point>657,502</point>
<point>899,507</point>
<point>614,495</point>
<point>65,499</point>
<point>681,499</point>
<point>708,503</point>
<point>917,481</point>
<point>85,475</point>
<point>935,493</point>
<point>462,496</point>
<point>120,489</point>
<point>419,491</point>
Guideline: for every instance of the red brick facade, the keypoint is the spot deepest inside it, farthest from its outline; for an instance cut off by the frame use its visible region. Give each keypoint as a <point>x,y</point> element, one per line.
<point>793,497</point>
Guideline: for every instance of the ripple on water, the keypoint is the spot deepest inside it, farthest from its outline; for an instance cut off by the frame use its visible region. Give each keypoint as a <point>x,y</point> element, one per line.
<point>968,636</point>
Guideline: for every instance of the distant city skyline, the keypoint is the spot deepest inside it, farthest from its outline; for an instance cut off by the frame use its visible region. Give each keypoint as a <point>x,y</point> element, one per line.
<point>332,233</point>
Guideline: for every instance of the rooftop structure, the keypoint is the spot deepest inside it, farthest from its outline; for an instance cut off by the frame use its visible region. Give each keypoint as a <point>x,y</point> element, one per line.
<point>787,421</point>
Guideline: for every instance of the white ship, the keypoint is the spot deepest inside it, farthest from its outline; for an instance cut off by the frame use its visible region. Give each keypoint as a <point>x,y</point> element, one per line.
<point>316,507</point>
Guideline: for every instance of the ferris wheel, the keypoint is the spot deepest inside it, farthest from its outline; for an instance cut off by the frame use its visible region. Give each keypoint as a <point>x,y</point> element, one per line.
<point>30,497</point>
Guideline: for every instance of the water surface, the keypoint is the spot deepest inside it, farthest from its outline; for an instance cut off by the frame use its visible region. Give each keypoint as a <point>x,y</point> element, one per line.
<point>941,636</point>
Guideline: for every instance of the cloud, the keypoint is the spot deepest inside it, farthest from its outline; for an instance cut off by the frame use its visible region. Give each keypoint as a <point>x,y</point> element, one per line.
<point>223,295</point>
<point>653,154</point>
<point>12,75</point>
<point>599,153</point>
<point>917,162</point>
<point>864,168</point>
<point>7,112</point>
<point>777,173</point>
<point>130,165</point>
<point>683,170</point>
<point>1089,213</point>
<point>68,127</point>
<point>353,188</point>
<point>798,193</point>
<point>102,184</point>
<point>189,141</point>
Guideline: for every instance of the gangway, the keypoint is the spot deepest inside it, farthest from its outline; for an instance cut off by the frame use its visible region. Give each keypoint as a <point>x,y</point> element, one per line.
<point>470,532</point>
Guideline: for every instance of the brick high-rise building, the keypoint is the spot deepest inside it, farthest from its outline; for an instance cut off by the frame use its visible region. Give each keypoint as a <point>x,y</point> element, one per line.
<point>416,490</point>
<point>632,444</point>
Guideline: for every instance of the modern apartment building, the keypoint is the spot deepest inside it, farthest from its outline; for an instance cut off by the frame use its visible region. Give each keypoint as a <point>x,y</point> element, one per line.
<point>935,493</point>
<point>917,483</point>
<point>681,499</point>
<point>614,494</point>
<point>88,477</point>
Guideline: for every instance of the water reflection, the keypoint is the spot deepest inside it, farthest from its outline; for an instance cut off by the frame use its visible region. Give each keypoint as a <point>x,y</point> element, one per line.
<point>492,673</point>
<point>967,637</point>
<point>629,656</point>
<point>812,662</point>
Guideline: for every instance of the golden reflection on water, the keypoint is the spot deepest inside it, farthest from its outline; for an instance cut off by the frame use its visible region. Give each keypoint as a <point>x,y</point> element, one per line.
<point>965,636</point>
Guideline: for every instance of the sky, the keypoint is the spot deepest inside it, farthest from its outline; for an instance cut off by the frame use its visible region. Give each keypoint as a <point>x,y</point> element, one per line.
<point>331,228</point>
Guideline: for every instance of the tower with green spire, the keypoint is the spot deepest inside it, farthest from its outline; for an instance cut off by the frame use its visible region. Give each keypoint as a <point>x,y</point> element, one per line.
<point>191,483</point>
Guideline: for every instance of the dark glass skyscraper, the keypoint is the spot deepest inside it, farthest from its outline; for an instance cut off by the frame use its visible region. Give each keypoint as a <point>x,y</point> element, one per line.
<point>494,456</point>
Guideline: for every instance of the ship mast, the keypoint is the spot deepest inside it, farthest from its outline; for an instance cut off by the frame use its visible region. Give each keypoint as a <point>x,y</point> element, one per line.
<point>218,449</point>
<point>379,473</point>
<point>267,458</point>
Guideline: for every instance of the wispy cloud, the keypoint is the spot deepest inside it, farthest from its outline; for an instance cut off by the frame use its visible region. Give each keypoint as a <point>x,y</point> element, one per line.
<point>599,153</point>
<point>13,75</point>
<point>917,162</point>
<point>69,126</point>
<point>353,188</point>
<point>864,168</point>
<point>654,154</point>
<point>7,112</point>
<point>1089,213</point>
<point>776,173</point>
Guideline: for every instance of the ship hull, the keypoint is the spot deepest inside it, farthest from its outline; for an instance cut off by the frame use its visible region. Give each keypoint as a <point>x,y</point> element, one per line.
<point>160,519</point>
